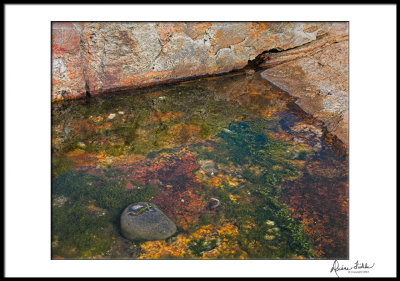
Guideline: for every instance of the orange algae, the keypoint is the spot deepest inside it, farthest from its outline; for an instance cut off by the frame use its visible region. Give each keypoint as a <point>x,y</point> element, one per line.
<point>226,247</point>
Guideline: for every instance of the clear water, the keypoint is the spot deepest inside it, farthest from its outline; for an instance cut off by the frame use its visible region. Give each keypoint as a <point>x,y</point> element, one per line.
<point>239,168</point>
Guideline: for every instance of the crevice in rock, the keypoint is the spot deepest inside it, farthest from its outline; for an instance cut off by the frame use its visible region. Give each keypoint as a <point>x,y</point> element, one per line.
<point>254,64</point>
<point>83,64</point>
<point>259,59</point>
<point>265,55</point>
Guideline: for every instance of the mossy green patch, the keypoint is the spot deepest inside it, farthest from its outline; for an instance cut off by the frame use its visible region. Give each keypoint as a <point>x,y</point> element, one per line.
<point>59,165</point>
<point>77,230</point>
<point>199,246</point>
<point>249,147</point>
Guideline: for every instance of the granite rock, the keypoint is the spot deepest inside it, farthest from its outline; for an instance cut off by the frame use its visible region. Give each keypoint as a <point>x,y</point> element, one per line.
<point>106,56</point>
<point>144,221</point>
<point>319,80</point>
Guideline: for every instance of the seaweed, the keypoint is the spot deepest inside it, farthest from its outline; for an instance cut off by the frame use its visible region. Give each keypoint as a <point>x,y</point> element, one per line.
<point>247,144</point>
<point>199,246</point>
<point>77,230</point>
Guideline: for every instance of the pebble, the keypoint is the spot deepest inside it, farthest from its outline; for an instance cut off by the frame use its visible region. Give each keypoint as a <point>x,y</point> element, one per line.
<point>268,222</point>
<point>81,144</point>
<point>144,221</point>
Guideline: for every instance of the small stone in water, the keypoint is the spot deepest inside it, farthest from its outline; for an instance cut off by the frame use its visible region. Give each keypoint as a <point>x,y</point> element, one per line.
<point>144,221</point>
<point>60,201</point>
<point>268,222</point>
<point>81,144</point>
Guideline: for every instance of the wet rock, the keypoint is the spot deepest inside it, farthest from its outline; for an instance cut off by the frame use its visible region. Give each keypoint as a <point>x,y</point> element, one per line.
<point>227,131</point>
<point>320,82</point>
<point>67,72</point>
<point>207,166</point>
<point>144,221</point>
<point>59,201</point>
<point>107,55</point>
<point>336,32</point>
<point>81,145</point>
<point>270,223</point>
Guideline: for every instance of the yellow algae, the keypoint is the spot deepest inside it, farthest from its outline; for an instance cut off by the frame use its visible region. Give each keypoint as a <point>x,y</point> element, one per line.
<point>269,237</point>
<point>233,197</point>
<point>159,249</point>
<point>96,119</point>
<point>226,234</point>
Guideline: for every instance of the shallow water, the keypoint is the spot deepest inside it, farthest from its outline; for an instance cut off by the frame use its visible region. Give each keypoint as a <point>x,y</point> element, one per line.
<point>239,168</point>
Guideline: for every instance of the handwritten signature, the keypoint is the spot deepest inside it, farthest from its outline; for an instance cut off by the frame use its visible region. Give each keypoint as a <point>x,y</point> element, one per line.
<point>336,267</point>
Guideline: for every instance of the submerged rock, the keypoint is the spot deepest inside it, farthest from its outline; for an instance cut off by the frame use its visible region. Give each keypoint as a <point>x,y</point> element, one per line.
<point>320,82</point>
<point>144,221</point>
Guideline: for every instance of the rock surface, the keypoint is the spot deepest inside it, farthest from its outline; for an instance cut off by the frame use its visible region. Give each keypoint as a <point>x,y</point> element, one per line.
<point>102,56</point>
<point>336,32</point>
<point>144,221</point>
<point>319,79</point>
<point>67,74</point>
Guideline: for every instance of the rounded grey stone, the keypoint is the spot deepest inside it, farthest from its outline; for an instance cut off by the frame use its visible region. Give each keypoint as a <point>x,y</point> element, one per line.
<point>144,221</point>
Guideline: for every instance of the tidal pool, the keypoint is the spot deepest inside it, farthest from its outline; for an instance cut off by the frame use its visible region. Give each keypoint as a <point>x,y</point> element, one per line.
<point>241,170</point>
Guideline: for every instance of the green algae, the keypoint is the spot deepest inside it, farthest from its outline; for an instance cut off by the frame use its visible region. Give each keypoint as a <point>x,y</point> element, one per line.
<point>60,165</point>
<point>247,144</point>
<point>80,232</point>
<point>227,128</point>
<point>196,101</point>
<point>199,246</point>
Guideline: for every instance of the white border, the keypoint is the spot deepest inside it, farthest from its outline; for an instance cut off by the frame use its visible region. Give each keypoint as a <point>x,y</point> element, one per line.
<point>372,138</point>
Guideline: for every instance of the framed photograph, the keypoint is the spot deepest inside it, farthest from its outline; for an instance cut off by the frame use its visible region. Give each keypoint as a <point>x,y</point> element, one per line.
<point>219,146</point>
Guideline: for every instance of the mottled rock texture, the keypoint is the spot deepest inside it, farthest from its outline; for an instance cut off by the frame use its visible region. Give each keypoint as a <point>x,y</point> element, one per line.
<point>67,74</point>
<point>96,57</point>
<point>317,74</point>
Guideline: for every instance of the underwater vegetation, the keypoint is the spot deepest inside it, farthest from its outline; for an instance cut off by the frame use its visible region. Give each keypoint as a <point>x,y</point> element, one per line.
<point>224,158</point>
<point>87,222</point>
<point>262,162</point>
